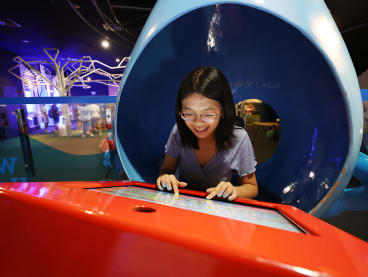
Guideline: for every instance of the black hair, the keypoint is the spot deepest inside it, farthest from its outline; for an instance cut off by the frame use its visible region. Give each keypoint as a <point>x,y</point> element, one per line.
<point>239,122</point>
<point>211,83</point>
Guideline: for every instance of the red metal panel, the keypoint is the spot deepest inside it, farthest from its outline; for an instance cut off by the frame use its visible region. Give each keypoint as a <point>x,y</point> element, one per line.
<point>60,229</point>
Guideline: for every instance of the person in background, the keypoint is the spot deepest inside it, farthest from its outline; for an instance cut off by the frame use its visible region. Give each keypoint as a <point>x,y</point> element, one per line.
<point>249,109</point>
<point>45,117</point>
<point>85,118</point>
<point>55,115</point>
<point>3,126</point>
<point>95,118</point>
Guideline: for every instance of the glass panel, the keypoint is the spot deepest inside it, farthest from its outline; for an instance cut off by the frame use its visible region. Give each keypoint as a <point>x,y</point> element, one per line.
<point>251,214</point>
<point>11,158</point>
<point>63,149</point>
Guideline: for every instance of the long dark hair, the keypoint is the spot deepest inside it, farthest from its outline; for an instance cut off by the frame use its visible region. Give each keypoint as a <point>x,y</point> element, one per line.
<point>211,83</point>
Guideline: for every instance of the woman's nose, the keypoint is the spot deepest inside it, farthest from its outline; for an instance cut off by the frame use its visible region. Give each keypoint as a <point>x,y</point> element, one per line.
<point>197,119</point>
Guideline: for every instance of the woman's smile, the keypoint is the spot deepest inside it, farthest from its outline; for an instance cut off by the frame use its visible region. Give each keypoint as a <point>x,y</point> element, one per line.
<point>201,131</point>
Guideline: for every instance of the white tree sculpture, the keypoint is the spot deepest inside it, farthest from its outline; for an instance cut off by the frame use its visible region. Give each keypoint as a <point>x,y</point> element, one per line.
<point>70,73</point>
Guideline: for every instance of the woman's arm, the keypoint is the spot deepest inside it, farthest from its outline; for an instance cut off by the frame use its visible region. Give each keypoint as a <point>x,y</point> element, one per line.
<point>168,166</point>
<point>167,177</point>
<point>247,189</point>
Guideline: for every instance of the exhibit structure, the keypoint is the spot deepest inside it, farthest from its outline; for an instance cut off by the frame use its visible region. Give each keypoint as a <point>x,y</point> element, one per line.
<point>286,53</point>
<point>132,229</point>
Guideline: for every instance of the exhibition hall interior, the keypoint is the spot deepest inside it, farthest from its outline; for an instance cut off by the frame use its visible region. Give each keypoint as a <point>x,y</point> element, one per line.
<point>93,100</point>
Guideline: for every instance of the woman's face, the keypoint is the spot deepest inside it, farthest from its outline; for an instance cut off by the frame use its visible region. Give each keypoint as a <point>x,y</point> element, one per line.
<point>201,108</point>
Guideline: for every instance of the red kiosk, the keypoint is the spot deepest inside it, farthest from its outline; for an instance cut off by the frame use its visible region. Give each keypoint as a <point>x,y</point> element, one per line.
<point>131,229</point>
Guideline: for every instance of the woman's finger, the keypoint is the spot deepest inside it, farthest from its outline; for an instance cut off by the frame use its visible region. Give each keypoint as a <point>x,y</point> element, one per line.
<point>212,194</point>
<point>159,184</point>
<point>174,184</point>
<point>182,184</point>
<point>228,191</point>
<point>232,196</point>
<point>221,188</point>
<point>211,189</point>
<point>175,187</point>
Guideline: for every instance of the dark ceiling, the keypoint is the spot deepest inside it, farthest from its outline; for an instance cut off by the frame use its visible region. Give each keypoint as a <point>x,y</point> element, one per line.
<point>77,27</point>
<point>74,27</point>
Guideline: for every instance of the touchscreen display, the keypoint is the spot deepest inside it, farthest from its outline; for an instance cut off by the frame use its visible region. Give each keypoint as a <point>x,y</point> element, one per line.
<point>250,214</point>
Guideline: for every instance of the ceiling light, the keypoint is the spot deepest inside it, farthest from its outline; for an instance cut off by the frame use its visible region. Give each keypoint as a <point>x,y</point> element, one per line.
<point>105,44</point>
<point>117,60</point>
<point>89,79</point>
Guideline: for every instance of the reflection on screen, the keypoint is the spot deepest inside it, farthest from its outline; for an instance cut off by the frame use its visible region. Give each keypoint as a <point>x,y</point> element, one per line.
<point>250,214</point>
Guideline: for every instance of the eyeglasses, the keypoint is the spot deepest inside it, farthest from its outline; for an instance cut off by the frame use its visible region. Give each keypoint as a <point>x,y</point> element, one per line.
<point>206,117</point>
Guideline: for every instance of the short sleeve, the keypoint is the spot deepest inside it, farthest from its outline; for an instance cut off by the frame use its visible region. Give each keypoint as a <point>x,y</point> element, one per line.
<point>246,161</point>
<point>172,147</point>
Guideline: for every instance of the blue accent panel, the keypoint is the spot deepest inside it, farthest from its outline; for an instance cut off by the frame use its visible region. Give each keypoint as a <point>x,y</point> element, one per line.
<point>364,94</point>
<point>57,100</point>
<point>353,199</point>
<point>267,51</point>
<point>361,170</point>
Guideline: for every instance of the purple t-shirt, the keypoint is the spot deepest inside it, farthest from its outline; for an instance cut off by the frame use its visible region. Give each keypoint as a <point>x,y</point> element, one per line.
<point>237,161</point>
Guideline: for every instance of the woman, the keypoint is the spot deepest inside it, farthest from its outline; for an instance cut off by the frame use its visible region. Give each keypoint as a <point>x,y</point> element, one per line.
<point>211,153</point>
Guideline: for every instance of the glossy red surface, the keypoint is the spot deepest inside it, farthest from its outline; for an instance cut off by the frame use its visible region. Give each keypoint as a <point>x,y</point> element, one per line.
<point>60,229</point>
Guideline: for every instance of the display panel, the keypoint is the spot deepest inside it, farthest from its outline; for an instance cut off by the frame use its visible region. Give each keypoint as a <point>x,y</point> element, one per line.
<point>251,214</point>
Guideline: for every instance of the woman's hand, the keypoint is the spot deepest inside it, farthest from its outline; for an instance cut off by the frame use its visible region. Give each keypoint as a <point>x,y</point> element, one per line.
<point>170,182</point>
<point>223,189</point>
